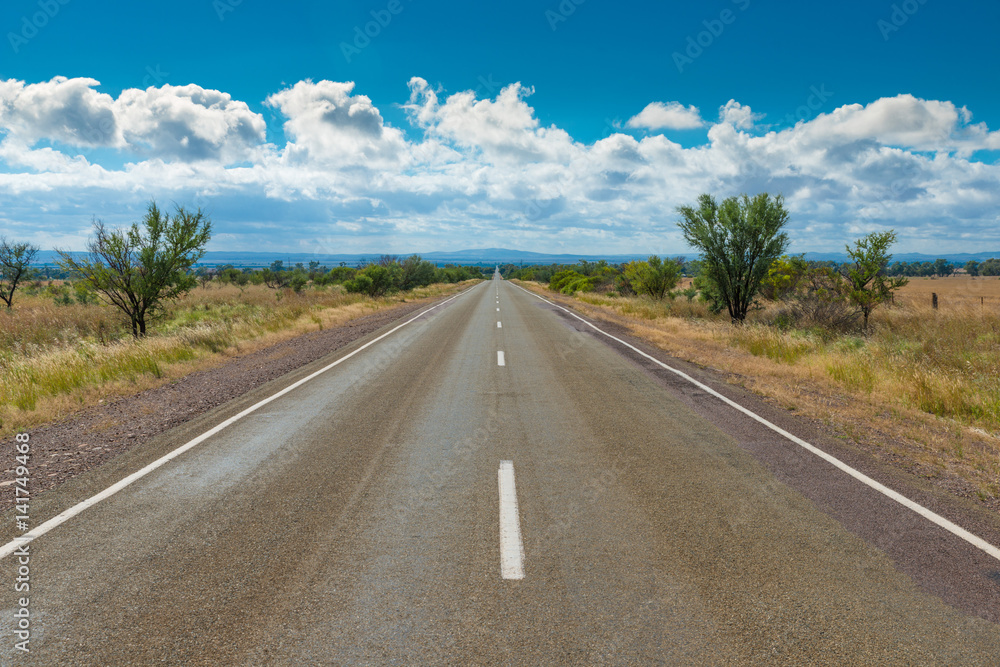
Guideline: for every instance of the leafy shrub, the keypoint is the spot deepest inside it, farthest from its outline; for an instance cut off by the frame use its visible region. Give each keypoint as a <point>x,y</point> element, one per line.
<point>564,278</point>
<point>360,284</point>
<point>340,274</point>
<point>581,284</point>
<point>654,277</point>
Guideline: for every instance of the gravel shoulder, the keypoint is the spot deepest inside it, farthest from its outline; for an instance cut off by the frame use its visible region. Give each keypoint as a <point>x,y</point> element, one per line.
<point>94,436</point>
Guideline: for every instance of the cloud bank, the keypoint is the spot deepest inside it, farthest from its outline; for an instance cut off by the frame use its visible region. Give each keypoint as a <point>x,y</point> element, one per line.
<point>471,172</point>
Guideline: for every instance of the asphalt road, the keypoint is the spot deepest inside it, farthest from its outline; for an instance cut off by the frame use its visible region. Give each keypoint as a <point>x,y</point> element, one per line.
<point>419,503</point>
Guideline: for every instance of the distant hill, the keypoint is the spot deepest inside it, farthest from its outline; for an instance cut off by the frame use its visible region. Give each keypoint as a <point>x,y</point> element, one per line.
<point>953,257</point>
<point>508,256</point>
<point>491,256</point>
<point>479,256</point>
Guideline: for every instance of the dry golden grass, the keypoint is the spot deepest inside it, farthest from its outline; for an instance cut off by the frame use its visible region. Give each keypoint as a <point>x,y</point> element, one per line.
<point>960,287</point>
<point>924,385</point>
<point>59,359</point>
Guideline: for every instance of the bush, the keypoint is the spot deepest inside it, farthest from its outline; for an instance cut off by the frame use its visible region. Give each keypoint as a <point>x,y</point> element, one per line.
<point>654,277</point>
<point>375,280</point>
<point>581,284</point>
<point>416,272</point>
<point>340,274</point>
<point>360,284</point>
<point>783,277</point>
<point>563,278</point>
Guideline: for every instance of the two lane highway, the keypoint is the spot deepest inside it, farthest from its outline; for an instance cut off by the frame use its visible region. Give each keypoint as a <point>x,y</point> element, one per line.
<point>364,517</point>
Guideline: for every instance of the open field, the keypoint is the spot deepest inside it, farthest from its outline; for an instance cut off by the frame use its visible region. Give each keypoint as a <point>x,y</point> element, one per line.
<point>58,359</point>
<point>921,391</point>
<point>954,291</point>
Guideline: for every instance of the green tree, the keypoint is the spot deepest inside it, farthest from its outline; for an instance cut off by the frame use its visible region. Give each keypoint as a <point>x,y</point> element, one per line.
<point>15,266</point>
<point>654,277</point>
<point>868,284</point>
<point>972,267</point>
<point>943,268</point>
<point>739,240</point>
<point>708,291</point>
<point>416,272</point>
<point>375,280</point>
<point>139,268</point>
<point>990,267</point>
<point>275,279</point>
<point>339,274</point>
<point>783,277</point>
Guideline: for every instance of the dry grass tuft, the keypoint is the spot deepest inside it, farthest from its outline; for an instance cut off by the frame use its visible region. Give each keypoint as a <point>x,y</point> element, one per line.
<point>56,359</point>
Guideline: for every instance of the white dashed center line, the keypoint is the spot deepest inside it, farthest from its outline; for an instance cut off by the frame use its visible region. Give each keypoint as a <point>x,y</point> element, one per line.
<point>498,326</point>
<point>511,547</point>
<point>500,359</point>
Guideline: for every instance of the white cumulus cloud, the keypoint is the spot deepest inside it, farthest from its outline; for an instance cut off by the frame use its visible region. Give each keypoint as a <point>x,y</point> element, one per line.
<point>669,116</point>
<point>188,123</point>
<point>328,123</point>
<point>738,115</point>
<point>172,122</point>
<point>64,110</point>
<point>503,129</point>
<point>481,172</point>
<point>904,121</point>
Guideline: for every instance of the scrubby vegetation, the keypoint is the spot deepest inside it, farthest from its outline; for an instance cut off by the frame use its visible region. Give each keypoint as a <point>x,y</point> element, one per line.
<point>387,274</point>
<point>62,348</point>
<point>822,316</point>
<point>854,344</point>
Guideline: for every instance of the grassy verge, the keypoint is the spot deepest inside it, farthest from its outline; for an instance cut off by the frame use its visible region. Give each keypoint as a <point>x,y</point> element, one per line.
<point>58,359</point>
<point>922,390</point>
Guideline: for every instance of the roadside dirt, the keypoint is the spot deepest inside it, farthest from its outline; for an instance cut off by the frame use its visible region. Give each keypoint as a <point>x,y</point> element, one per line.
<point>93,436</point>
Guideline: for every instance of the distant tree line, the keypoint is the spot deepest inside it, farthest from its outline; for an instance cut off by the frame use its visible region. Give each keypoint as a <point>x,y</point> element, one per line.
<point>380,276</point>
<point>942,268</point>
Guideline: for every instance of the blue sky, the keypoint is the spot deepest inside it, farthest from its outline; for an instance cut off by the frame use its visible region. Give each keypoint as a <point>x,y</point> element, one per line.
<point>550,126</point>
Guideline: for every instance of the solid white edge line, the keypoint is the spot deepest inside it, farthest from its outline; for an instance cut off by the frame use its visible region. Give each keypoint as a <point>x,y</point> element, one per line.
<point>68,514</point>
<point>930,515</point>
<point>500,359</point>
<point>511,545</point>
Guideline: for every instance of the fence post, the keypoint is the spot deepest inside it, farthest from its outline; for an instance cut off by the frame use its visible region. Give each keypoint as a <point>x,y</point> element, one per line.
<point>934,300</point>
